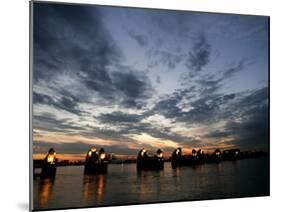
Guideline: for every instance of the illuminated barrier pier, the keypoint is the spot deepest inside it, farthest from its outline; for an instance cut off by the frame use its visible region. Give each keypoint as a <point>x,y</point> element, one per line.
<point>199,157</point>
<point>196,157</point>
<point>231,154</point>
<point>49,165</point>
<point>96,161</point>
<point>216,156</point>
<point>148,162</point>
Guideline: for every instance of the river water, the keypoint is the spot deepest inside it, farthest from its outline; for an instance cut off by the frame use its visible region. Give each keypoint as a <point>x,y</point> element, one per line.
<point>124,185</point>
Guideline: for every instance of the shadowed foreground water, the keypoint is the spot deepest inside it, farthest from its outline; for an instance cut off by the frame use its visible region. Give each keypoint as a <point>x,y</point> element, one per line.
<point>124,185</point>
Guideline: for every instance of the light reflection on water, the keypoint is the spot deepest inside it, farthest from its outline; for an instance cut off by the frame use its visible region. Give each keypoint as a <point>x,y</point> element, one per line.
<point>93,187</point>
<point>124,185</point>
<point>45,191</point>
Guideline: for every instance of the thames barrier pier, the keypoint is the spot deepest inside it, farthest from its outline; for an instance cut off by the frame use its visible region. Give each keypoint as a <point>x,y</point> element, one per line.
<point>96,161</point>
<point>150,162</point>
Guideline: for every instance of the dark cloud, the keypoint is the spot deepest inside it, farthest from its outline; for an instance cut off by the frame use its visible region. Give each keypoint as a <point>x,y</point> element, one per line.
<point>246,116</point>
<point>247,122</point>
<point>199,56</point>
<point>168,107</point>
<point>254,98</point>
<point>63,103</point>
<point>217,134</point>
<point>229,96</point>
<point>63,43</point>
<point>252,131</point>
<point>64,32</point>
<point>140,39</point>
<point>49,122</point>
<point>118,117</point>
<point>134,86</point>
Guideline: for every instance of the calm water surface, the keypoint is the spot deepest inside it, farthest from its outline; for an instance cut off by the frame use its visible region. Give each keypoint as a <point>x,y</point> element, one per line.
<point>124,185</point>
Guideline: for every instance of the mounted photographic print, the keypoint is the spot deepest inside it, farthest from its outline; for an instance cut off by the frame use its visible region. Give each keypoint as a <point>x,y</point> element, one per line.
<point>137,105</point>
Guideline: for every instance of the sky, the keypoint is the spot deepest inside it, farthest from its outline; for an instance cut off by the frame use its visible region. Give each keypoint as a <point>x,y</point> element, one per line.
<point>129,78</point>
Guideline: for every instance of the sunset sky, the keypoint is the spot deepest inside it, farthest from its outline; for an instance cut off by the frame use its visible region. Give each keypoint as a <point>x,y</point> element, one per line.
<point>126,79</point>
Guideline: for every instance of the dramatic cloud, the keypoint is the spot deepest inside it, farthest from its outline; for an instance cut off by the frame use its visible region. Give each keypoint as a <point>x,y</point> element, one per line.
<point>63,44</point>
<point>61,34</point>
<point>147,79</point>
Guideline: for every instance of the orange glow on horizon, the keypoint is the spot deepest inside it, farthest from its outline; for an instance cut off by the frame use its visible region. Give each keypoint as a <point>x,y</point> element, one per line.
<point>70,157</point>
<point>151,151</point>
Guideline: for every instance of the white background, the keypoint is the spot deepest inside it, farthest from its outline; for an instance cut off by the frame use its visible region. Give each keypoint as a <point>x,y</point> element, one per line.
<point>14,103</point>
